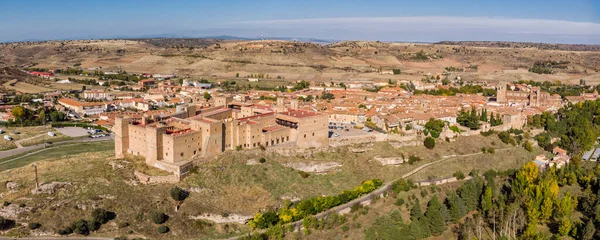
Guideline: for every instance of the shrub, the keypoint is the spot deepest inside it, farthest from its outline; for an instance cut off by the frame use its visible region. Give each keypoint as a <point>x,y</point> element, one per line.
<point>102,216</point>
<point>413,159</point>
<point>488,133</point>
<point>483,150</point>
<point>459,175</point>
<point>5,203</point>
<point>429,143</point>
<point>123,224</point>
<point>158,217</point>
<point>303,174</point>
<point>435,134</point>
<point>262,160</point>
<point>239,148</point>
<point>80,227</point>
<point>121,238</point>
<point>34,225</point>
<point>94,225</point>
<point>22,205</point>
<point>6,223</point>
<point>345,228</point>
<point>399,202</point>
<point>65,231</point>
<point>505,137</point>
<point>163,229</point>
<point>178,194</point>
<point>491,150</point>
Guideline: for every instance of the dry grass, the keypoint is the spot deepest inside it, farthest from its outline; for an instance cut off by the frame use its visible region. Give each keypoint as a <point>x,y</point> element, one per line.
<point>228,185</point>
<point>25,87</point>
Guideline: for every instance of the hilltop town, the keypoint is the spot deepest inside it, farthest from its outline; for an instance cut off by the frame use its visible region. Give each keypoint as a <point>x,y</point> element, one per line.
<point>230,131</point>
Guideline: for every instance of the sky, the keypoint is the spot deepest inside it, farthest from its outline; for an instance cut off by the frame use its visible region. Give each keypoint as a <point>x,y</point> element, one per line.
<point>552,21</point>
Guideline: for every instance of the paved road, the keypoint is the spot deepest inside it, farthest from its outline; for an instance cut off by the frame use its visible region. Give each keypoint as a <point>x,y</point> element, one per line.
<point>377,192</point>
<point>16,151</point>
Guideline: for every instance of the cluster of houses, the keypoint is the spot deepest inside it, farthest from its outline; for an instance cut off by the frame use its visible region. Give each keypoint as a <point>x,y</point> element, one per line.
<point>559,160</point>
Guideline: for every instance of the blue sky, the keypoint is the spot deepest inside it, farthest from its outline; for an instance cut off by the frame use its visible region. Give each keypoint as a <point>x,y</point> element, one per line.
<point>569,21</point>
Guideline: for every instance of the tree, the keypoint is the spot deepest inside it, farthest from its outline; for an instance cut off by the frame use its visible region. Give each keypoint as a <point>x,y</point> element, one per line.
<point>158,217</point>
<point>437,221</point>
<point>178,194</point>
<point>486,199</point>
<point>415,212</point>
<point>18,113</point>
<point>429,142</point>
<point>207,96</point>
<point>589,230</point>
<point>564,226</point>
<point>237,75</point>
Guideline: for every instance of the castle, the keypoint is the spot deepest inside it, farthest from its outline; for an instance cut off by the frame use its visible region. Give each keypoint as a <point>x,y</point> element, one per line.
<point>171,142</point>
<point>527,95</point>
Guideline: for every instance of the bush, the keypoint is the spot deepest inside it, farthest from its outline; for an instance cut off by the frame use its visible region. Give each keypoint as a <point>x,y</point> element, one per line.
<point>158,217</point>
<point>413,159</point>
<point>345,228</point>
<point>102,216</point>
<point>488,133</point>
<point>505,137</point>
<point>429,143</point>
<point>491,150</point>
<point>121,238</point>
<point>34,225</point>
<point>22,205</point>
<point>459,175</point>
<point>5,203</point>
<point>6,223</point>
<point>399,202</point>
<point>163,229</point>
<point>262,160</point>
<point>178,194</point>
<point>123,224</point>
<point>65,231</point>
<point>303,174</point>
<point>81,227</point>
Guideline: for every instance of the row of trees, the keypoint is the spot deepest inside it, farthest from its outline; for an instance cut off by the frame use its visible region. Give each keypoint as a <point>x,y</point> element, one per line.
<point>472,118</point>
<point>288,213</point>
<point>28,117</point>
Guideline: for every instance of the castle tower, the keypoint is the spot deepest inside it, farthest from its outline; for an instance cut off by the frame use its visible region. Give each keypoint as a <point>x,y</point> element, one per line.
<point>154,143</point>
<point>280,107</point>
<point>191,110</point>
<point>534,97</point>
<point>501,93</point>
<point>121,129</point>
<point>294,104</point>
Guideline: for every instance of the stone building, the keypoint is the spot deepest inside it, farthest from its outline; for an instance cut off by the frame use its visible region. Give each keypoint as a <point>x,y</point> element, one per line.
<point>171,143</point>
<point>526,95</point>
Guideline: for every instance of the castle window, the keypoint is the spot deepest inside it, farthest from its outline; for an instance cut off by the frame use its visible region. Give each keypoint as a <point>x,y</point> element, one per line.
<point>313,134</point>
<point>166,154</point>
<point>304,135</point>
<point>194,152</point>
<point>182,154</point>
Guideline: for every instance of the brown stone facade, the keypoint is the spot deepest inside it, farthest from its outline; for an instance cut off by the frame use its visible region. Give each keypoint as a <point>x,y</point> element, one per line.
<point>171,143</point>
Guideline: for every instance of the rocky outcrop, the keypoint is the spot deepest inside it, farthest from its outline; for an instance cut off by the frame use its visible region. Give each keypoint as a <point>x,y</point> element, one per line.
<point>50,188</point>
<point>315,167</point>
<point>224,218</point>
<point>394,161</point>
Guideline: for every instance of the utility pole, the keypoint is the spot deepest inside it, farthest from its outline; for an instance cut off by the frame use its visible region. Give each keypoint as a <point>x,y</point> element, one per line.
<point>36,176</point>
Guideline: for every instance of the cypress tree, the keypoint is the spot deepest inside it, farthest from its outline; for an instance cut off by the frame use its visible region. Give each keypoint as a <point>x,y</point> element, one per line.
<point>415,212</point>
<point>437,223</point>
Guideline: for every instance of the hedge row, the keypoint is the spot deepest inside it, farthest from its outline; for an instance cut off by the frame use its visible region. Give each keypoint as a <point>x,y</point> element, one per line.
<point>312,206</point>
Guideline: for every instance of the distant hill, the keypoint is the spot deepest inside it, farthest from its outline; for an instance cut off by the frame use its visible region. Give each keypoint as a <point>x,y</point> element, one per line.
<point>541,46</point>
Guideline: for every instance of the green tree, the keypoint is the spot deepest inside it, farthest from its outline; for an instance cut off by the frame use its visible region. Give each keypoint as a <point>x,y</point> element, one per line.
<point>207,96</point>
<point>486,199</point>
<point>437,221</point>
<point>415,212</point>
<point>429,142</point>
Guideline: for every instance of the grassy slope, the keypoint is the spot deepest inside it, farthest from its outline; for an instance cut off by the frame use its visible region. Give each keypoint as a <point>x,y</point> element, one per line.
<point>228,184</point>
